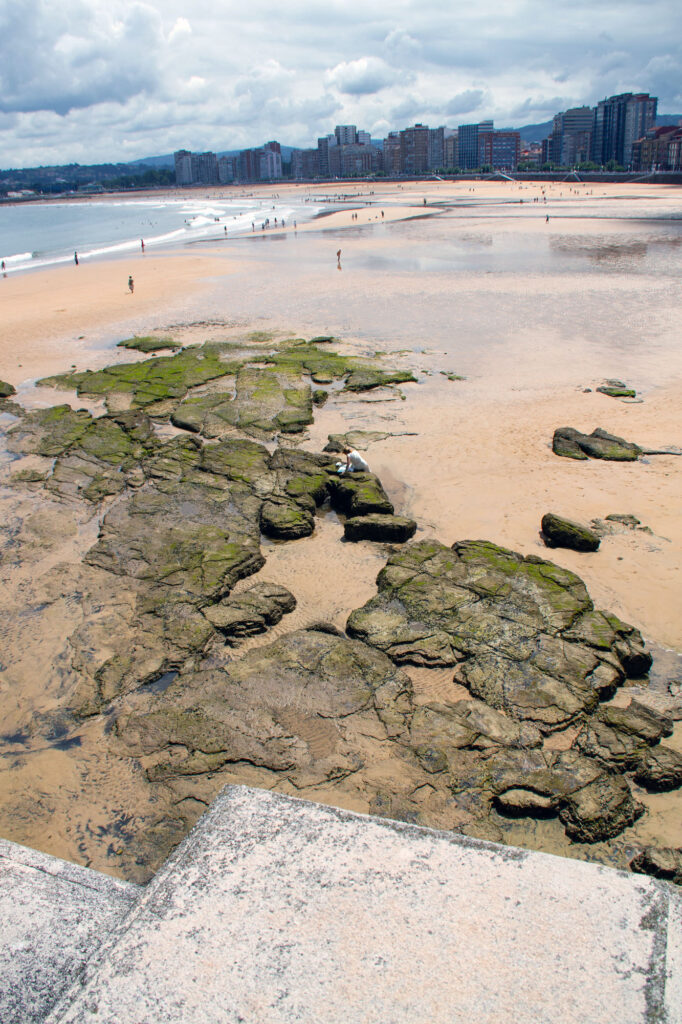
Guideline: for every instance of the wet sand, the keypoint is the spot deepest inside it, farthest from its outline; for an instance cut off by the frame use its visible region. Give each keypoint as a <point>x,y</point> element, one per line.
<point>436,286</point>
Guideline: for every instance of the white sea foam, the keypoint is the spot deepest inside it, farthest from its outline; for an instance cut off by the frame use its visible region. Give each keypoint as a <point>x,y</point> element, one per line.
<point>100,228</point>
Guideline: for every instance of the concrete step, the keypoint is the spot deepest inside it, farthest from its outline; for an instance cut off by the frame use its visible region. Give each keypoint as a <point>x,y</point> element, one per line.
<point>53,916</point>
<point>275,911</point>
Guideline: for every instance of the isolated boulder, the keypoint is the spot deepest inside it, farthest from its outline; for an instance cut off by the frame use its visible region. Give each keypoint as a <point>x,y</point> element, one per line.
<point>558,532</point>
<point>599,444</point>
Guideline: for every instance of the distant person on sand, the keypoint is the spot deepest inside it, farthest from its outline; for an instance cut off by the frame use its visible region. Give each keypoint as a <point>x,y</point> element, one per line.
<point>354,462</point>
<point>338,259</point>
<point>75,258</point>
<point>131,285</point>
<point>142,244</point>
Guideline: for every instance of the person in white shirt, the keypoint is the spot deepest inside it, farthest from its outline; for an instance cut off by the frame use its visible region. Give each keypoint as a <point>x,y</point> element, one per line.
<point>355,462</point>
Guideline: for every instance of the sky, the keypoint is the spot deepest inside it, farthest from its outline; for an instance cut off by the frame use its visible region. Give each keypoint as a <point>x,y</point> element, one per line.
<point>91,81</point>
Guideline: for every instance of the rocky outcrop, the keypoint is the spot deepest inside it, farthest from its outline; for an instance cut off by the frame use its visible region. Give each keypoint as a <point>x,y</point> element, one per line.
<point>660,769</point>
<point>7,390</point>
<point>299,706</point>
<point>598,445</point>
<point>359,494</point>
<point>558,532</point>
<point>251,611</point>
<point>522,631</point>
<point>522,635</point>
<point>374,526</point>
<point>660,862</point>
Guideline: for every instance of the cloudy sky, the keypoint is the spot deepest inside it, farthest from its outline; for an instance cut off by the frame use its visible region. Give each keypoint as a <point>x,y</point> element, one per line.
<point>97,80</point>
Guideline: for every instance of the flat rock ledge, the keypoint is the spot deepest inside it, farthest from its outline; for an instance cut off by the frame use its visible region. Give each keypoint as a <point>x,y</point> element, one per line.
<point>378,527</point>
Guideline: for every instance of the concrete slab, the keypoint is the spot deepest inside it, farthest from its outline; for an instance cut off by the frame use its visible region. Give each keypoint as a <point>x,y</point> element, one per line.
<point>276,910</point>
<point>53,916</point>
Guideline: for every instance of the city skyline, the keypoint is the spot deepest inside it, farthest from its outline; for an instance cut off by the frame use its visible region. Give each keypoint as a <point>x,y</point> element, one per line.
<point>89,82</point>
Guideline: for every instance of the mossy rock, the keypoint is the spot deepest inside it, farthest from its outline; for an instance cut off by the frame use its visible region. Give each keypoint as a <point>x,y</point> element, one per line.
<point>376,527</point>
<point>149,344</point>
<point>236,459</point>
<point>358,494</point>
<point>366,379</point>
<point>564,533</point>
<point>48,431</point>
<point>154,380</point>
<point>252,611</point>
<point>320,396</point>
<point>303,705</point>
<point>599,444</point>
<point>503,617</point>
<point>285,519</point>
<point>6,390</point>
<point>616,389</point>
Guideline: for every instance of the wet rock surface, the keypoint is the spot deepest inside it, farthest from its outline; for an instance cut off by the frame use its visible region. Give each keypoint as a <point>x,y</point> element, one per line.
<point>374,526</point>
<point>616,389</point>
<point>558,532</point>
<point>659,862</point>
<point>571,444</point>
<point>156,648</point>
<point>252,611</point>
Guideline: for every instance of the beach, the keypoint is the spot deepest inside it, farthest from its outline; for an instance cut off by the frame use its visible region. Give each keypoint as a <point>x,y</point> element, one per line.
<point>509,322</point>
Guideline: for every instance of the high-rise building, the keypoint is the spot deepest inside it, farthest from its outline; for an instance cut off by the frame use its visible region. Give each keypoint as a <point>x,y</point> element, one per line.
<point>414,149</point>
<point>346,134</point>
<point>305,163</point>
<point>619,121</point>
<point>204,168</point>
<point>570,141</point>
<point>183,167</point>
<point>451,150</point>
<point>436,158</point>
<point>324,146</point>
<point>392,164</point>
<point>467,135</point>
<point>226,169</point>
<point>499,149</point>
<point>363,138</point>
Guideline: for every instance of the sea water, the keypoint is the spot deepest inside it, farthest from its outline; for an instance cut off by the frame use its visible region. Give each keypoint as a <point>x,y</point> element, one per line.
<point>42,234</point>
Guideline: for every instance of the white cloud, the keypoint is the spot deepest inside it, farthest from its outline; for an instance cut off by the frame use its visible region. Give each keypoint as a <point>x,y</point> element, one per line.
<point>363,76</point>
<point>90,80</point>
<point>181,28</point>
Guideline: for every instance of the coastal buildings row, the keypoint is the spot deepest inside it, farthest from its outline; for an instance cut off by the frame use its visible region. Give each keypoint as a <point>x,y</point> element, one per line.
<point>620,131</point>
<point>602,134</point>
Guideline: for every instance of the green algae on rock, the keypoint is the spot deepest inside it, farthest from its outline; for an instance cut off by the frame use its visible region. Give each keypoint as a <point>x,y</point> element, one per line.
<point>558,532</point>
<point>153,380</point>
<point>149,343</point>
<point>571,444</point>
<point>7,390</point>
<point>502,619</point>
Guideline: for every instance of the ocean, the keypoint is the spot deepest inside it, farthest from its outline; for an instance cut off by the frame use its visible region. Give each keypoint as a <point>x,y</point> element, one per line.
<point>41,234</point>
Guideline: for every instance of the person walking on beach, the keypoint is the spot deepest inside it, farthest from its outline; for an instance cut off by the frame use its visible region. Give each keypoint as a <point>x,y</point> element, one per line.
<point>75,258</point>
<point>142,244</point>
<point>131,285</point>
<point>338,259</point>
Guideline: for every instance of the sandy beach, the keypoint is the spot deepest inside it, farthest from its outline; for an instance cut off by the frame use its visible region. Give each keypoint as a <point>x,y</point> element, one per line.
<point>532,313</point>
